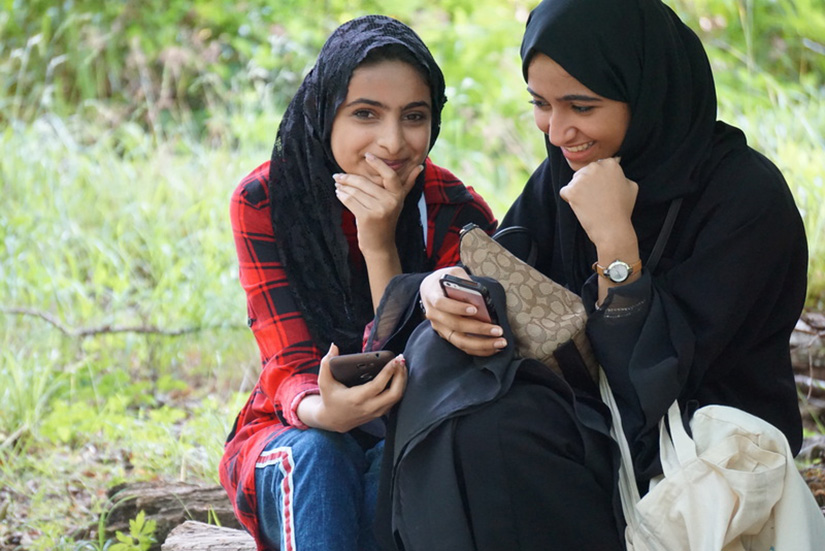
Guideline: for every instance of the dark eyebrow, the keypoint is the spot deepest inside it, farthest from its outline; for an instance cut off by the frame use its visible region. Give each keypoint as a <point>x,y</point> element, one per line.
<point>365,100</point>
<point>568,97</point>
<point>533,93</point>
<point>579,97</point>
<point>417,104</point>
<point>412,105</point>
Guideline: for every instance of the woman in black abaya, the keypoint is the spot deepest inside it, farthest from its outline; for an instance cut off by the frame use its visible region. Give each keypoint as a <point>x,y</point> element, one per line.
<point>624,94</point>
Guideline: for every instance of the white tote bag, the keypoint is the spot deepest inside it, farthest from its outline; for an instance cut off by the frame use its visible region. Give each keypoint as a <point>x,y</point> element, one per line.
<point>732,487</point>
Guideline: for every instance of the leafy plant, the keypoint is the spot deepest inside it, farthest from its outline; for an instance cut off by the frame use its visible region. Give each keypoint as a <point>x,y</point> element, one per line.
<point>141,535</point>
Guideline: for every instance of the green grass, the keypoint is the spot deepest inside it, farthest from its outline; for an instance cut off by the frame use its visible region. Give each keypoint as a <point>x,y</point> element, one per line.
<point>101,237</point>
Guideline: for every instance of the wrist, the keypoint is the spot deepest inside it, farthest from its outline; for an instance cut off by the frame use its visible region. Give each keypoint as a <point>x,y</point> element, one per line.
<point>618,271</point>
<point>382,264</point>
<point>617,240</point>
<point>381,253</point>
<point>310,411</point>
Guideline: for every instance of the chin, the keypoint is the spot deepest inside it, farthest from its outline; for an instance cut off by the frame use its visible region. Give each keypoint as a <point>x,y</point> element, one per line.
<point>576,166</point>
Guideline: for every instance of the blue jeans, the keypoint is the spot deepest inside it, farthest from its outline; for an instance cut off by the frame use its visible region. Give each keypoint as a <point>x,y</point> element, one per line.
<point>316,491</point>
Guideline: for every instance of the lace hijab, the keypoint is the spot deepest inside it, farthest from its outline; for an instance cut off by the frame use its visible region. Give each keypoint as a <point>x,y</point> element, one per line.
<point>332,292</point>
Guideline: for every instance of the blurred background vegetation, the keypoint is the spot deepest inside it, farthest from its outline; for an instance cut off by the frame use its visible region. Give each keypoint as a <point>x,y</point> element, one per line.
<point>125,125</point>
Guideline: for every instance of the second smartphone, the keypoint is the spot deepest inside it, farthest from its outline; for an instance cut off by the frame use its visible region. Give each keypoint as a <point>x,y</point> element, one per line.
<point>357,369</point>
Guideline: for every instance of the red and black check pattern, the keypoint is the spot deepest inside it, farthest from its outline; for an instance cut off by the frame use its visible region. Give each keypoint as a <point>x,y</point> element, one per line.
<point>290,359</point>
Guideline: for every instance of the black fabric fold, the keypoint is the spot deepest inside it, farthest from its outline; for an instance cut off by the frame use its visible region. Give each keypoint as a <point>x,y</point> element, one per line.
<point>446,384</point>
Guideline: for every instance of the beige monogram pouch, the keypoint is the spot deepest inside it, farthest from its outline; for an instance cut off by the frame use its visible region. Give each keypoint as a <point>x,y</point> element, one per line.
<point>543,315</point>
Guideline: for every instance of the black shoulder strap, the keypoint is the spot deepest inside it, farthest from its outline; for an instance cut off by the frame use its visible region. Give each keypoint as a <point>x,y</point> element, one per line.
<point>519,241</point>
<point>664,234</point>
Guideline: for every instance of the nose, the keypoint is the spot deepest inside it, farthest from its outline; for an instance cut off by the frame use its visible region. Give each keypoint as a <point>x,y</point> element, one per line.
<point>391,137</point>
<point>558,128</point>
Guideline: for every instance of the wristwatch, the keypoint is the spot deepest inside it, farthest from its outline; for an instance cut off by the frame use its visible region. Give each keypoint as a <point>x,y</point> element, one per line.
<point>617,271</point>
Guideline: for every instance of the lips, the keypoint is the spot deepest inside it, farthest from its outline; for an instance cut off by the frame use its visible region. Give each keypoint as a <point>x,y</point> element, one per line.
<point>578,153</point>
<point>580,148</point>
<point>395,165</point>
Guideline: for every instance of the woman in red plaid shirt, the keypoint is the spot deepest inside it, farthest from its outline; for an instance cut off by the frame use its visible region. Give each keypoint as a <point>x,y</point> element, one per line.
<point>348,200</point>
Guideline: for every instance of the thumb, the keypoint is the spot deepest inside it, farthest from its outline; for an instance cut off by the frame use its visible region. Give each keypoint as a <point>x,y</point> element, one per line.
<point>324,372</point>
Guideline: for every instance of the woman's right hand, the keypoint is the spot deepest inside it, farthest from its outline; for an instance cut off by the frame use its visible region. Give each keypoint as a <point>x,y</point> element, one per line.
<point>453,321</point>
<point>341,408</point>
<point>603,199</point>
<point>376,202</point>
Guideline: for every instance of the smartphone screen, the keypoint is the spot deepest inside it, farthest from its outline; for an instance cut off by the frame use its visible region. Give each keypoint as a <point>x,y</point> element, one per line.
<point>470,291</point>
<point>357,369</point>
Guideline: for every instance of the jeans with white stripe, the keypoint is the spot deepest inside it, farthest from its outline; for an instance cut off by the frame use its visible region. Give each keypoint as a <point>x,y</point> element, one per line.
<point>316,491</point>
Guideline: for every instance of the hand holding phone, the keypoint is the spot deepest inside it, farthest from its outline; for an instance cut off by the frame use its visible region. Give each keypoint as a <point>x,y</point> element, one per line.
<point>467,290</point>
<point>357,369</point>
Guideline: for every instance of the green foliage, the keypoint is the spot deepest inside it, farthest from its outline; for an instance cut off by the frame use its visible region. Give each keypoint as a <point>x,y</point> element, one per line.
<point>140,537</point>
<point>785,38</point>
<point>124,126</point>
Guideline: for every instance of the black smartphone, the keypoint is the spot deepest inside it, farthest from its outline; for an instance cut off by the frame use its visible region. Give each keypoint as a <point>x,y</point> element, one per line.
<point>357,369</point>
<point>475,293</point>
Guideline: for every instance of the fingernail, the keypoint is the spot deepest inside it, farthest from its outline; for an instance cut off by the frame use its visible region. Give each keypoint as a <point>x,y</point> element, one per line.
<point>500,343</point>
<point>402,359</point>
<point>471,310</point>
<point>496,331</point>
<point>337,177</point>
<point>369,156</point>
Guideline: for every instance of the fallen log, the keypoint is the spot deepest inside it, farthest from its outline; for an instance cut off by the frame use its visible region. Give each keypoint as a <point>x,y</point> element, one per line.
<point>169,504</point>
<point>808,346</point>
<point>197,536</point>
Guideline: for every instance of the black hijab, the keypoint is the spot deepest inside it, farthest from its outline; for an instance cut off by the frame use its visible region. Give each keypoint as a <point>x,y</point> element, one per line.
<point>332,293</point>
<point>638,52</point>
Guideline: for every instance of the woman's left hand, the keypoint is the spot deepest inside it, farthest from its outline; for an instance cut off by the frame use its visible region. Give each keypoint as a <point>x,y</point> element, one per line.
<point>454,320</point>
<point>603,199</point>
<point>340,408</point>
<point>376,202</point>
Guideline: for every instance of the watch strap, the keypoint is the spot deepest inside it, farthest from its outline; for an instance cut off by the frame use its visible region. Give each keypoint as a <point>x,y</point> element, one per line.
<point>602,271</point>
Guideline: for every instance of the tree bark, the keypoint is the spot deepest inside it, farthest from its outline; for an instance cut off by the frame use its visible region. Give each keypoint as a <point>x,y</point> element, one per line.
<point>169,504</point>
<point>808,358</point>
<point>197,536</point>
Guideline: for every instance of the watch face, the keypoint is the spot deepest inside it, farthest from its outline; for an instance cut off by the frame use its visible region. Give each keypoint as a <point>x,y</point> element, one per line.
<point>618,271</point>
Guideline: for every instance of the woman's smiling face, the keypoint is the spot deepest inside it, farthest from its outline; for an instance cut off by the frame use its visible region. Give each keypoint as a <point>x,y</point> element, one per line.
<point>387,112</point>
<point>584,125</point>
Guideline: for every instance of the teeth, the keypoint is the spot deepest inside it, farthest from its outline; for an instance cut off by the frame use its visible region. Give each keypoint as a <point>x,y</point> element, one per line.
<point>579,148</point>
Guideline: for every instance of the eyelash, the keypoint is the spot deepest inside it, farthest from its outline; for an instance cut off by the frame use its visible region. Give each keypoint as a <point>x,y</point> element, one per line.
<point>577,108</point>
<point>367,114</point>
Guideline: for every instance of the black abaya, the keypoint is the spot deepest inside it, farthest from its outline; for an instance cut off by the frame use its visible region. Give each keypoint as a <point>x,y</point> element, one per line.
<point>710,325</point>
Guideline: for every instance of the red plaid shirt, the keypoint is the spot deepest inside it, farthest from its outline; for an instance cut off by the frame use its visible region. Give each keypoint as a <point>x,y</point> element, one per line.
<point>288,355</point>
